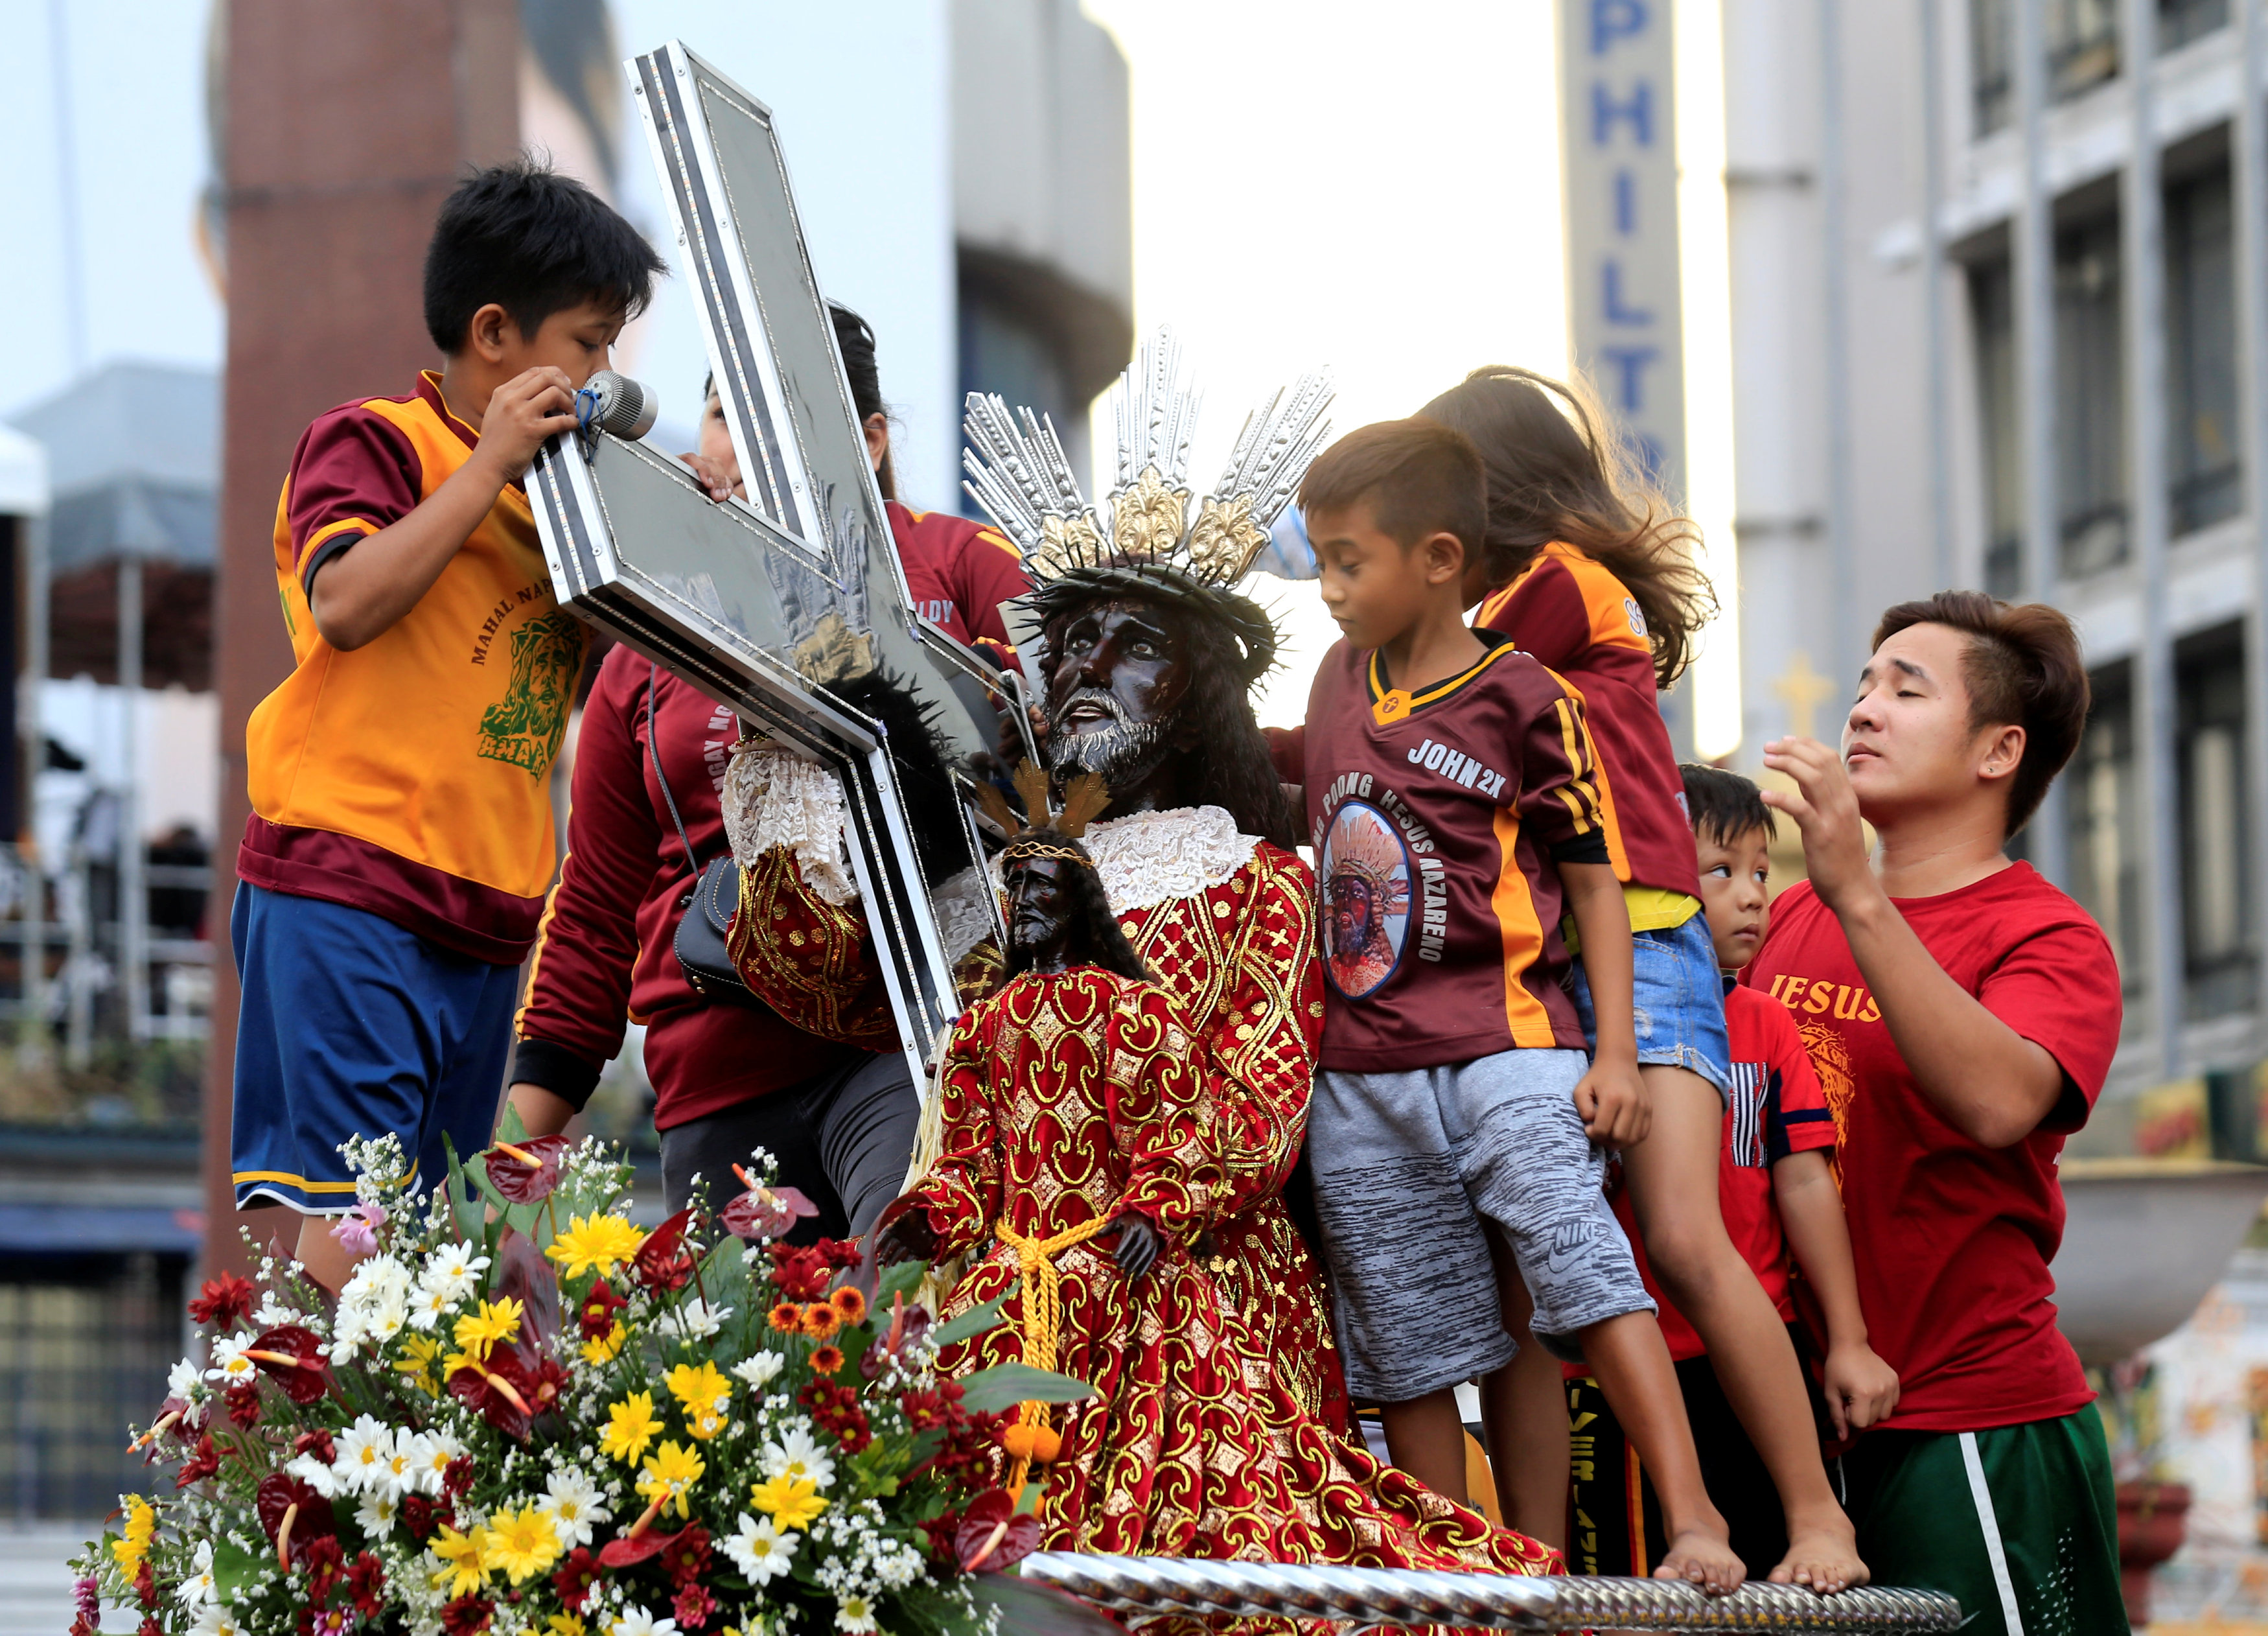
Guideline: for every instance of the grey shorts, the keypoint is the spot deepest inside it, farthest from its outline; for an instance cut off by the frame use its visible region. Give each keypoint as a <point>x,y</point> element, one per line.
<point>1406,1166</point>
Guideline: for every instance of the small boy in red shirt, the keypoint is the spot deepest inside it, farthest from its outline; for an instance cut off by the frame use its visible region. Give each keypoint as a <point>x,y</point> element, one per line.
<point>1778,1192</point>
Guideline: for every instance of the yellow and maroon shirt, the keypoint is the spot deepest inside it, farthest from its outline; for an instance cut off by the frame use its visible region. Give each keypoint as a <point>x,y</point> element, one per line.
<point>1573,614</point>
<point>411,777</point>
<point>1439,818</point>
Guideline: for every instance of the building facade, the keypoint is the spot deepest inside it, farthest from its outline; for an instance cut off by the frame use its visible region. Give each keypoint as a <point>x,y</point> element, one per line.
<point>1999,286</point>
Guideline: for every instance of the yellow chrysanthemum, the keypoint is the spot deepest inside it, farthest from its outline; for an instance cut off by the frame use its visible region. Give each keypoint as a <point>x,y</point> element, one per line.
<point>133,1542</point>
<point>420,1354</point>
<point>477,1331</point>
<point>567,1624</point>
<point>604,1348</point>
<point>789,1501</point>
<point>630,1427</point>
<point>521,1543</point>
<point>602,1242</point>
<point>463,1558</point>
<point>699,1393</point>
<point>674,1470</point>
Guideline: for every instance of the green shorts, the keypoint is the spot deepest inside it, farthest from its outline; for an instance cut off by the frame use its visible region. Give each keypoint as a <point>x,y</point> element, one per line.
<point>2017,1522</point>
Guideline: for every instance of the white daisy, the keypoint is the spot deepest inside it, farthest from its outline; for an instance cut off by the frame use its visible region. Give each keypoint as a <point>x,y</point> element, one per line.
<point>572,1504</point>
<point>365,1452</point>
<point>758,1371</point>
<point>376,1511</point>
<point>274,1310</point>
<point>636,1621</point>
<point>428,1454</point>
<point>198,1587</point>
<point>314,1473</point>
<point>215,1620</point>
<point>854,1615</point>
<point>759,1550</point>
<point>183,1380</point>
<point>452,1271</point>
<point>798,1455</point>
<point>230,1365</point>
<point>695,1321</point>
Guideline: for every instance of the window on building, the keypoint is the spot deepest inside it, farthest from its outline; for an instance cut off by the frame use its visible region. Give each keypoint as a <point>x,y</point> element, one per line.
<point>1991,56</point>
<point>2090,397</point>
<point>2217,935</point>
<point>2082,41</point>
<point>2104,815</point>
<point>2205,483</point>
<point>2181,21</point>
<point>1992,319</point>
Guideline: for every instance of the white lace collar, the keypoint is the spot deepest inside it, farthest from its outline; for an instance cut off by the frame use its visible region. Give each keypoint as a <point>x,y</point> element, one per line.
<point>1147,859</point>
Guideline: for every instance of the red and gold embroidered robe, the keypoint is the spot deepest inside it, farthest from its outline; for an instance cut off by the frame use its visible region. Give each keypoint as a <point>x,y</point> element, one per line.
<point>1238,957</point>
<point>1069,1099</point>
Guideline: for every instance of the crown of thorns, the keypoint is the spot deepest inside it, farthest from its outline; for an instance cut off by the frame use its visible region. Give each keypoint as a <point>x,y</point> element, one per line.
<point>1046,832</point>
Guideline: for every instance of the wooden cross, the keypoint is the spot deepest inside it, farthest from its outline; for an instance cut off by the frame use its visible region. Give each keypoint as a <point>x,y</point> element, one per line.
<point>770,604</point>
<point>1802,690</point>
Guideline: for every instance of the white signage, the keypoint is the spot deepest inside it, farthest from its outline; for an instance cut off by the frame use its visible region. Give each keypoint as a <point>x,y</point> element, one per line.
<point>1619,143</point>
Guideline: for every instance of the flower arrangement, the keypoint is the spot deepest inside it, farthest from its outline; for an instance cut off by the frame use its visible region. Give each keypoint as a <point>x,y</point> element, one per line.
<point>526,1414</point>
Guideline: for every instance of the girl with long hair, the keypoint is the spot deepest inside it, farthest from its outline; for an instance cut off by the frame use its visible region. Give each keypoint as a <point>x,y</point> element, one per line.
<point>1586,566</point>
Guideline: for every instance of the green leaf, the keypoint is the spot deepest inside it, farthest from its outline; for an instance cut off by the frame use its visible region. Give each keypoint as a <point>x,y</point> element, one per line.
<point>900,1279</point>
<point>510,1128</point>
<point>464,1213</point>
<point>233,1569</point>
<point>1005,1385</point>
<point>976,1321</point>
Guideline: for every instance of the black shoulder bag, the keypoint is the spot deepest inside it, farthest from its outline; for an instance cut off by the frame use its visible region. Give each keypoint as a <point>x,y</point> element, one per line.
<point>705,913</point>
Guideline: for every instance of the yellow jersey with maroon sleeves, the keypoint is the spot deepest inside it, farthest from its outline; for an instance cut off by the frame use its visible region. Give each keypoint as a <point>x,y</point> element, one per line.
<point>1439,820</point>
<point>411,777</point>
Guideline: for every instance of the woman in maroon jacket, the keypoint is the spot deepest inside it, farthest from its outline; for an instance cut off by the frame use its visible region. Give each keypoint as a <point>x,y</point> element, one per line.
<point>728,1075</point>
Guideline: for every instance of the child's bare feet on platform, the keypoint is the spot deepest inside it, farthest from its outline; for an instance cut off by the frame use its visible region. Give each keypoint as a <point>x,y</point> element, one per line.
<point>1703,1557</point>
<point>1823,1556</point>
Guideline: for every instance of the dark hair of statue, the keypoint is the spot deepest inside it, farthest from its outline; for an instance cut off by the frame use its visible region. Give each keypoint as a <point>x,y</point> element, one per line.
<point>2023,668</point>
<point>536,243</point>
<point>1095,937</point>
<point>1558,471</point>
<point>1723,805</point>
<point>1231,770</point>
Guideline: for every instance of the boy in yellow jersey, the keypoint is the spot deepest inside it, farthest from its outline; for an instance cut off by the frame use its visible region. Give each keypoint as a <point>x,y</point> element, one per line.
<point>399,845</point>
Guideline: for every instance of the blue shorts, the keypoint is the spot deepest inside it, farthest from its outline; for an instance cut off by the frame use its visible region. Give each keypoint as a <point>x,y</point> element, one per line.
<point>1679,997</point>
<point>352,1027</point>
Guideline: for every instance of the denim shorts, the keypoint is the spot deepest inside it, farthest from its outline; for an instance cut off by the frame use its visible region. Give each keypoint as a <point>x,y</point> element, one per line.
<point>1679,998</point>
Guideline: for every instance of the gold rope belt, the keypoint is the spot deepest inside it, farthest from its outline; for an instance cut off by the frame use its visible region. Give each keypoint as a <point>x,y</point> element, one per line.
<point>1031,1436</point>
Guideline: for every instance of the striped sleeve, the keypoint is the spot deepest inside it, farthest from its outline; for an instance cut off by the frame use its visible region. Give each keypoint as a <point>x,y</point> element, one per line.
<point>1559,799</point>
<point>1797,1117</point>
<point>353,474</point>
<point>988,574</point>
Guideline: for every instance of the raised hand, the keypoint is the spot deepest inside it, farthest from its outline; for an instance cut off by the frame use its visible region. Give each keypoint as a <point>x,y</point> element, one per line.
<point>521,414</point>
<point>1138,1244</point>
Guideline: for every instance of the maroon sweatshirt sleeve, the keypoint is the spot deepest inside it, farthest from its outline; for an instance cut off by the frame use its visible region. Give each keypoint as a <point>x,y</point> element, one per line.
<point>353,474</point>
<point>988,574</point>
<point>578,987</point>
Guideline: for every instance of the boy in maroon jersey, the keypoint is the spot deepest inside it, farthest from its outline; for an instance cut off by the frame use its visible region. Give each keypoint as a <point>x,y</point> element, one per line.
<point>1963,1013</point>
<point>1453,793</point>
<point>1777,1191</point>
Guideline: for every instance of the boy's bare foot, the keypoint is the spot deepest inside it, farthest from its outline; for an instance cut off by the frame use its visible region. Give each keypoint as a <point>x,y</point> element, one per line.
<point>1703,1557</point>
<point>1823,1556</point>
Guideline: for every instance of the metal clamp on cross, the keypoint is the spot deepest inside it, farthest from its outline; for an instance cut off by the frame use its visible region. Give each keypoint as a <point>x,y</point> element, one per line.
<point>790,607</point>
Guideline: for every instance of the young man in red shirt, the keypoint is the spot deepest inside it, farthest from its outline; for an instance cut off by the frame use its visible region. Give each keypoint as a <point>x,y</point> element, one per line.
<point>1962,1013</point>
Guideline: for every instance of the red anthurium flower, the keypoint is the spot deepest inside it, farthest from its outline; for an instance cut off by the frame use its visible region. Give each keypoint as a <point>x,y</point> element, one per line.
<point>991,1536</point>
<point>280,1500</point>
<point>765,1211</point>
<point>293,1357</point>
<point>597,1312</point>
<point>526,1172</point>
<point>630,1549</point>
<point>505,1390</point>
<point>223,1302</point>
<point>661,1263</point>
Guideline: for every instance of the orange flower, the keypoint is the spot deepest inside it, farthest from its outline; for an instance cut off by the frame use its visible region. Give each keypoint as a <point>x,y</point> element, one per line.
<point>787,1317</point>
<point>850,1305</point>
<point>826,1359</point>
<point>820,1320</point>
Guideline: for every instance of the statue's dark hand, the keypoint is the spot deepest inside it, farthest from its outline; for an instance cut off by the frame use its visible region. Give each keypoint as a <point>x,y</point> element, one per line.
<point>1138,1244</point>
<point>903,1233</point>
